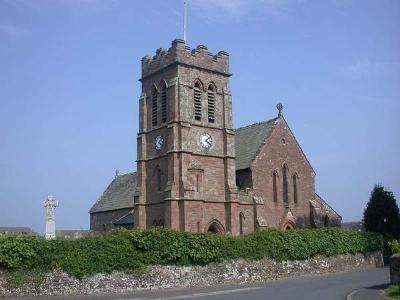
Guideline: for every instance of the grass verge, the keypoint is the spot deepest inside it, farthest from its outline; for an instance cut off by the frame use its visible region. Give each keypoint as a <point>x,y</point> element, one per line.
<point>393,291</point>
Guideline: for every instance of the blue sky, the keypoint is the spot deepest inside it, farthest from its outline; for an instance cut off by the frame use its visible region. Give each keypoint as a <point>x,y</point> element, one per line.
<point>69,91</point>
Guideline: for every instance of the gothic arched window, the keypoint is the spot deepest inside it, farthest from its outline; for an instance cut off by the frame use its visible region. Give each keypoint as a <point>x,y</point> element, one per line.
<point>285,193</point>
<point>154,112</point>
<point>294,179</point>
<point>197,101</point>
<point>211,104</point>
<point>274,187</point>
<point>163,102</point>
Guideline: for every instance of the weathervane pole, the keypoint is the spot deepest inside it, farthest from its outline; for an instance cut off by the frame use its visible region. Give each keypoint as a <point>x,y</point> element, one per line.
<point>184,20</point>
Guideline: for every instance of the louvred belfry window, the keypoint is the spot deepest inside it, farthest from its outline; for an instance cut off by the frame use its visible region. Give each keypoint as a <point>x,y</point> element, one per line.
<point>197,102</point>
<point>154,111</point>
<point>163,102</point>
<point>211,104</point>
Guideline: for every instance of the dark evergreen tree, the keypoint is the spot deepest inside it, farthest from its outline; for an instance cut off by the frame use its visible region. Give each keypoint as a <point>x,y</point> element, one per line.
<point>382,213</point>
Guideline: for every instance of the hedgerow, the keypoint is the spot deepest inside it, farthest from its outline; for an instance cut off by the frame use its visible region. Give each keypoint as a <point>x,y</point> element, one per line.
<point>129,250</point>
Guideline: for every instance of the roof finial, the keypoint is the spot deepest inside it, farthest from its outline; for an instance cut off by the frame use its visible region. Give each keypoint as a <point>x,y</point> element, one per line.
<point>279,106</point>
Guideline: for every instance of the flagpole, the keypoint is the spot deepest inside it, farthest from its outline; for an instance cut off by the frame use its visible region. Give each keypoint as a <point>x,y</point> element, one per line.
<point>184,20</point>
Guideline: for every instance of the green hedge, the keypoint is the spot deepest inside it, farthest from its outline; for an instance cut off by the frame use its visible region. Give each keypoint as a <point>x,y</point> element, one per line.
<point>130,250</point>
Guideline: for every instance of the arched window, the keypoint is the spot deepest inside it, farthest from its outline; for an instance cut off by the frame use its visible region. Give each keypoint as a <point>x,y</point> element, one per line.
<point>326,221</point>
<point>163,102</point>
<point>197,101</point>
<point>294,179</point>
<point>274,186</point>
<point>154,112</point>
<point>211,104</point>
<point>285,193</point>
<point>159,180</point>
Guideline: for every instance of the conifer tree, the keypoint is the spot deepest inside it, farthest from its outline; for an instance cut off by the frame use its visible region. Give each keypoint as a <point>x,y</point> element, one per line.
<point>382,213</point>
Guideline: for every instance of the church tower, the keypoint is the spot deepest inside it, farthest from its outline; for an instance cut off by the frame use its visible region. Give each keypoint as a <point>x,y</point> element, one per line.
<point>186,144</point>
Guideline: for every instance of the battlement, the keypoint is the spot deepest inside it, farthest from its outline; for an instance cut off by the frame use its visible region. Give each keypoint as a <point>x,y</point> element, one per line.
<point>180,53</point>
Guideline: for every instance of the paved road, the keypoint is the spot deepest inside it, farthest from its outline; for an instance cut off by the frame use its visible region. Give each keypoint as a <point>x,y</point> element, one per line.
<point>327,287</point>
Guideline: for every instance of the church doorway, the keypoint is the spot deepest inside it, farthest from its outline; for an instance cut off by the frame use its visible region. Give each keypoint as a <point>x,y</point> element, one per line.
<point>216,227</point>
<point>288,226</point>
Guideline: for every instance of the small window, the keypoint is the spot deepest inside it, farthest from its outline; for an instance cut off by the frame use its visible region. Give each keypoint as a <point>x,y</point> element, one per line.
<point>274,187</point>
<point>154,112</point>
<point>211,104</point>
<point>197,102</point>
<point>163,102</point>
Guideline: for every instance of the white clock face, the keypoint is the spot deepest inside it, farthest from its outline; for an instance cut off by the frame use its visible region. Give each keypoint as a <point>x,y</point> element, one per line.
<point>158,142</point>
<point>206,141</point>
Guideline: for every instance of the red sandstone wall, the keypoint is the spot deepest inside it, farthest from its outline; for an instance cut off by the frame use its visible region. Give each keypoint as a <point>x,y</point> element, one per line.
<point>272,157</point>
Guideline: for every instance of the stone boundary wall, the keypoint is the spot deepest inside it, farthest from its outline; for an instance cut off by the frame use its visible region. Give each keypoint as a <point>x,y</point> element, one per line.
<point>160,277</point>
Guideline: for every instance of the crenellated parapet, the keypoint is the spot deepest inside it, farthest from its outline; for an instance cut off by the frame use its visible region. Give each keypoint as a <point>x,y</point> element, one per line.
<point>180,53</point>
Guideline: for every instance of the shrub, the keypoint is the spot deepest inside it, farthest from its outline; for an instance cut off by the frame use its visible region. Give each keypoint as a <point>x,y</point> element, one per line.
<point>130,250</point>
<point>394,246</point>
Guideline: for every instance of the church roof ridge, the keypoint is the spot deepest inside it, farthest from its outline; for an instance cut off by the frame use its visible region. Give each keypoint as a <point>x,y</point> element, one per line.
<point>258,123</point>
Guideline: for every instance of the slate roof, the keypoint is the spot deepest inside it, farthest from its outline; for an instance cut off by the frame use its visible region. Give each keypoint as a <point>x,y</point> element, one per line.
<point>125,220</point>
<point>249,140</point>
<point>327,206</point>
<point>15,230</point>
<point>119,194</point>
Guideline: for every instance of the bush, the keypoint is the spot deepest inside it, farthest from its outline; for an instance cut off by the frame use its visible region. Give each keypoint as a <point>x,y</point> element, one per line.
<point>130,250</point>
<point>394,246</point>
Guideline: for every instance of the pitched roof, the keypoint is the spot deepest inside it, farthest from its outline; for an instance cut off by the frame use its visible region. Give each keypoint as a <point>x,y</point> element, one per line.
<point>249,140</point>
<point>15,230</point>
<point>125,219</point>
<point>119,194</point>
<point>326,206</point>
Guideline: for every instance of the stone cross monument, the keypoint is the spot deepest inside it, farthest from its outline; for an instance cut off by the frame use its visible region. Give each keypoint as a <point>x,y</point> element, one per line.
<point>50,204</point>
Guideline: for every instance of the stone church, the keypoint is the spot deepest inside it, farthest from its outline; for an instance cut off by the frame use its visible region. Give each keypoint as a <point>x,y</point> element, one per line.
<point>195,172</point>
